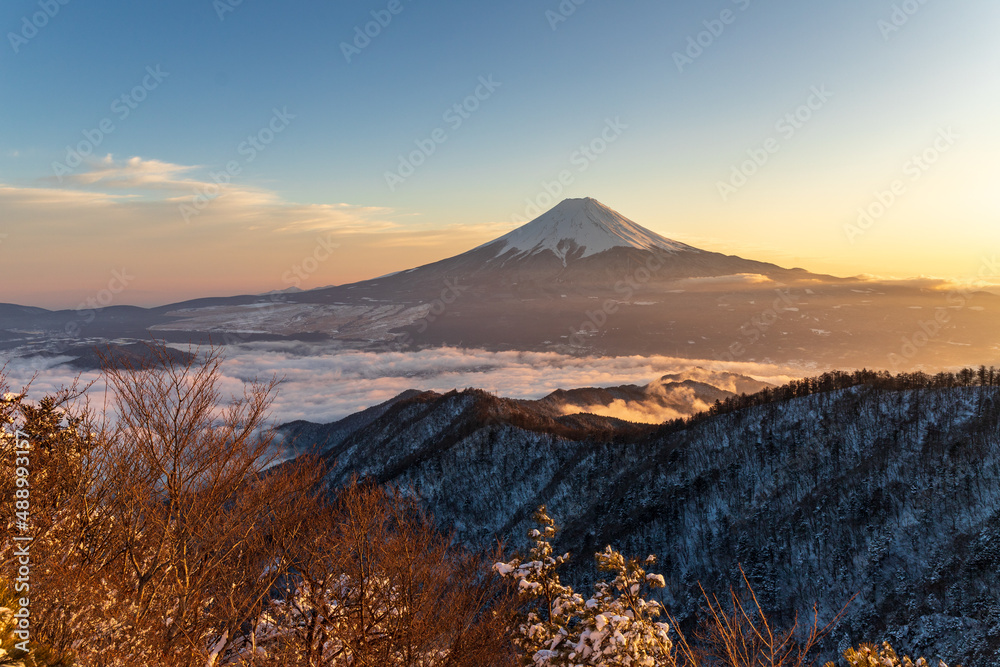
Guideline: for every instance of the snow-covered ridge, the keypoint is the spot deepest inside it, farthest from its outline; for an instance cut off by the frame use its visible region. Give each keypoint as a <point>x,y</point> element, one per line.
<point>586,223</point>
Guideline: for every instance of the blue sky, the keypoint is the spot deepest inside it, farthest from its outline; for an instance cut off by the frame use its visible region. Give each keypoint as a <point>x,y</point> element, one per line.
<point>229,72</point>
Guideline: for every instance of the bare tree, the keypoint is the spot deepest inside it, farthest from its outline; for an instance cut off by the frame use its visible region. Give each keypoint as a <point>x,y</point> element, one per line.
<point>743,636</point>
<point>156,535</point>
<point>196,512</point>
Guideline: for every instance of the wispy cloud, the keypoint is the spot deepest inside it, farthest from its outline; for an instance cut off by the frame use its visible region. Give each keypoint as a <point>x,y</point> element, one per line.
<point>150,190</point>
<point>135,173</point>
<point>244,238</point>
<point>933,283</point>
<point>25,198</point>
<point>115,213</point>
<point>735,279</point>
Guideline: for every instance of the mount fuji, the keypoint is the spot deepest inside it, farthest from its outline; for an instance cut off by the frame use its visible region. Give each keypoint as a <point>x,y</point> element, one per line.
<point>579,279</point>
<point>581,228</point>
<point>579,246</point>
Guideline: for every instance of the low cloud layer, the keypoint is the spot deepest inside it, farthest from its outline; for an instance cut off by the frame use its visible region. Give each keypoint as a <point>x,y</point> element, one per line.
<point>987,281</point>
<point>647,412</point>
<point>733,279</point>
<point>323,385</point>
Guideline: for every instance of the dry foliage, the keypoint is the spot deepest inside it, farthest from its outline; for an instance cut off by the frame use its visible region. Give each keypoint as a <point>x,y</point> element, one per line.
<point>165,536</point>
<point>375,584</point>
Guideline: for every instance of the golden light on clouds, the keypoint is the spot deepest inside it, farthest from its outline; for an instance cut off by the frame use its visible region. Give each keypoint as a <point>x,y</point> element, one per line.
<point>65,240</point>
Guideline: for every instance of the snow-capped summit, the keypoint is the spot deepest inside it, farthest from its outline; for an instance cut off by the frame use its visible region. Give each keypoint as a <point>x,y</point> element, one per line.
<point>578,245</point>
<point>585,224</point>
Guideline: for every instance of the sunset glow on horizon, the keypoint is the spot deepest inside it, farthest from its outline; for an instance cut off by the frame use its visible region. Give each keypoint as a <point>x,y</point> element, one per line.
<point>276,147</point>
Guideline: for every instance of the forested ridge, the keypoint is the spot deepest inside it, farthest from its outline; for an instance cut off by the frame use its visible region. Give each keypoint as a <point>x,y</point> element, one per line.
<point>860,482</point>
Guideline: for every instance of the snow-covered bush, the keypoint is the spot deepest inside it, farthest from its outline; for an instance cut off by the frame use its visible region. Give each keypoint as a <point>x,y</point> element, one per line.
<point>616,626</point>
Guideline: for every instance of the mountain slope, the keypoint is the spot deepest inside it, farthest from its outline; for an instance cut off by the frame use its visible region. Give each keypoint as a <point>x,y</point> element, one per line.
<point>891,494</point>
<point>580,228</point>
<point>580,244</point>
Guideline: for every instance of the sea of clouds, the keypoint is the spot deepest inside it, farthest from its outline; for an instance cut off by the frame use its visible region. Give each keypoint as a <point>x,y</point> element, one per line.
<point>321,384</point>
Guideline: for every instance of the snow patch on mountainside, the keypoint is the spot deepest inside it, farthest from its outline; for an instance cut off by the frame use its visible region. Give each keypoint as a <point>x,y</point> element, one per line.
<point>584,223</point>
